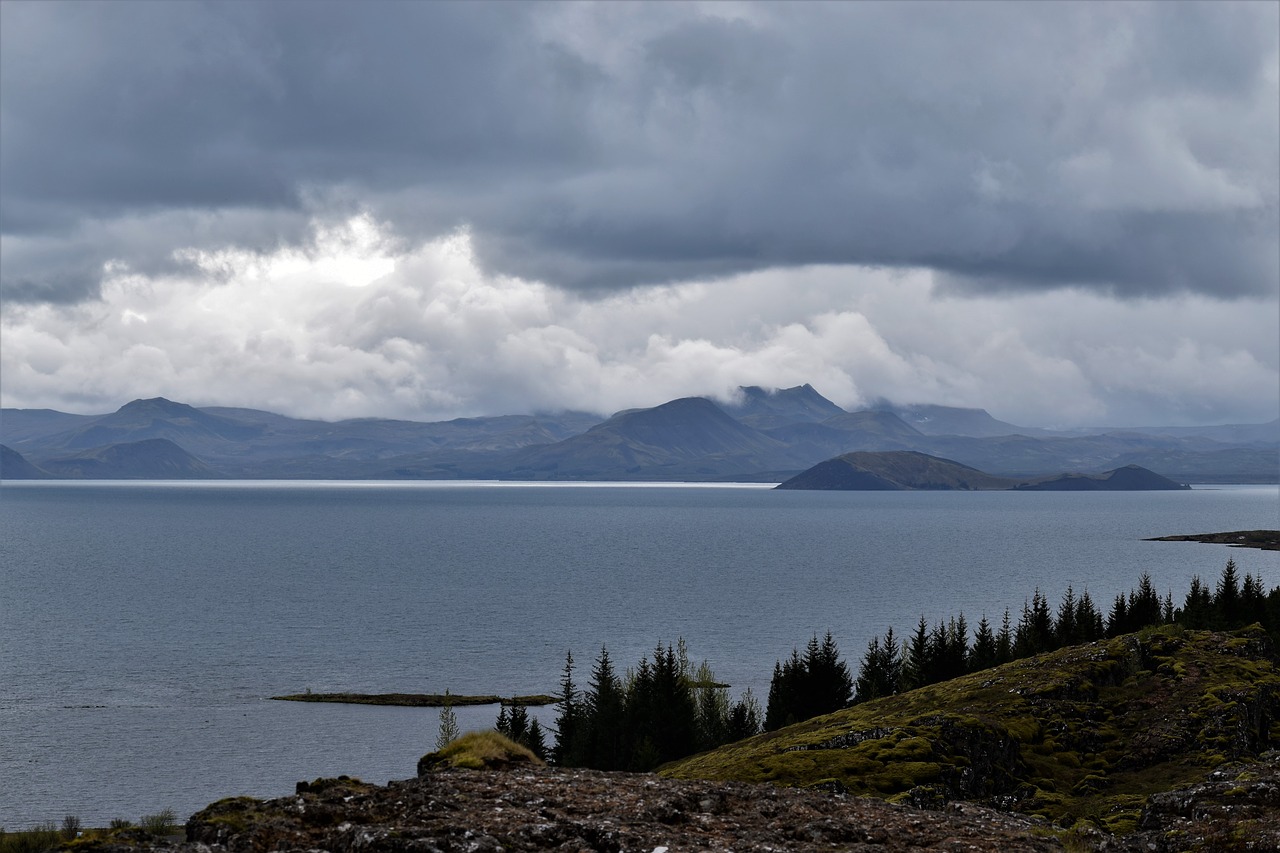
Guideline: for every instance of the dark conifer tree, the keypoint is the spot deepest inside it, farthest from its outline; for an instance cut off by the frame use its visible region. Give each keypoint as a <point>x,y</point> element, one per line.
<point>1253,601</point>
<point>1065,630</point>
<point>935,666</point>
<point>785,693</point>
<point>830,684</point>
<point>604,717</point>
<point>1118,621</point>
<point>1088,619</point>
<point>519,726</point>
<point>871,677</point>
<point>744,717</point>
<point>1226,600</point>
<point>568,750</point>
<point>956,651</point>
<point>674,711</point>
<point>1197,608</point>
<point>881,671</point>
<point>1042,623</point>
<point>915,661</point>
<point>641,714</point>
<point>1144,604</point>
<point>536,740</point>
<point>1004,640</point>
<point>1035,630</point>
<point>983,654</point>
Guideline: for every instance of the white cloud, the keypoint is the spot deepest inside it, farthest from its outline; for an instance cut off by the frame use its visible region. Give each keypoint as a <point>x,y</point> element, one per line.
<point>356,324</point>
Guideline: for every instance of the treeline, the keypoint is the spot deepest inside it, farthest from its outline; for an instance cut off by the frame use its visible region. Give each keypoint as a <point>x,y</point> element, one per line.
<point>945,651</point>
<point>661,710</point>
<point>664,709</point>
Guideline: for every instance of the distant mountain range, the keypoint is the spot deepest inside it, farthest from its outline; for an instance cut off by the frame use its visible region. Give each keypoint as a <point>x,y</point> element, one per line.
<point>761,435</point>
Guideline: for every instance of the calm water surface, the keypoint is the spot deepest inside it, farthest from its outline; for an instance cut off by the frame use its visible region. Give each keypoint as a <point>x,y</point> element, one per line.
<point>143,625</point>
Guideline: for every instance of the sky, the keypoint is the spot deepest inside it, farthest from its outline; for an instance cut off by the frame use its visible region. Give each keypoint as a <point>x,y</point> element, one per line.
<point>1065,213</point>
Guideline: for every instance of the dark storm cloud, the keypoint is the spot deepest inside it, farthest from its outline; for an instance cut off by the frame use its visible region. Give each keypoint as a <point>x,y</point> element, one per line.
<point>1132,148</point>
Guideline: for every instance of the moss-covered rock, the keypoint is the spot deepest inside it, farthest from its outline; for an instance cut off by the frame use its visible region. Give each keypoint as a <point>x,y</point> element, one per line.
<point>478,751</point>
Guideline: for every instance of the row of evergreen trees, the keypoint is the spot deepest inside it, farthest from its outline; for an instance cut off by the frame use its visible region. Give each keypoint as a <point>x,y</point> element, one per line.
<point>662,710</point>
<point>943,652</point>
<point>517,725</point>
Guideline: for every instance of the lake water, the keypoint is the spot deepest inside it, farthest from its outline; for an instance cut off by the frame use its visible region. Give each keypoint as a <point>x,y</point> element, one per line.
<point>144,625</point>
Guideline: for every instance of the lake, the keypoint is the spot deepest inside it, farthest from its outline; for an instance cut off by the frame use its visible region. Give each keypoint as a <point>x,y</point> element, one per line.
<point>144,625</point>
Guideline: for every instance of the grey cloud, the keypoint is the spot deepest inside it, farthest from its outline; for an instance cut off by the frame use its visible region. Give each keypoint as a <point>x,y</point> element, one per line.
<point>1131,148</point>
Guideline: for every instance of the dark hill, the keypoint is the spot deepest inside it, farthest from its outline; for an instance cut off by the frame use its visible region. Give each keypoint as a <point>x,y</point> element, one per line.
<point>156,418</point>
<point>1130,478</point>
<point>766,409</point>
<point>686,438</point>
<point>151,459</point>
<point>1085,733</point>
<point>897,470</point>
<point>20,425</point>
<point>14,466</point>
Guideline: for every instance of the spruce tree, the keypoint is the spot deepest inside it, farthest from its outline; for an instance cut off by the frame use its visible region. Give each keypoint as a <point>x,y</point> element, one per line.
<point>536,740</point>
<point>915,661</point>
<point>1144,604</point>
<point>603,716</point>
<point>785,693</point>
<point>1197,607</point>
<point>1065,630</point>
<point>1088,619</point>
<point>674,710</point>
<point>519,725</point>
<point>957,650</point>
<point>1226,600</point>
<point>448,723</point>
<point>1004,640</point>
<point>830,684</point>
<point>881,671</point>
<point>744,717</point>
<point>1118,621</point>
<point>983,654</point>
<point>568,751</point>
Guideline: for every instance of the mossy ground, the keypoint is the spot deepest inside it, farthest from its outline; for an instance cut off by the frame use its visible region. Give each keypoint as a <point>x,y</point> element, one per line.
<point>1081,734</point>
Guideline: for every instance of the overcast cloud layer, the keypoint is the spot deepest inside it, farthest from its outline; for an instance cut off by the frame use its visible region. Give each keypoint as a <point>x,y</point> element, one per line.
<point>1066,213</point>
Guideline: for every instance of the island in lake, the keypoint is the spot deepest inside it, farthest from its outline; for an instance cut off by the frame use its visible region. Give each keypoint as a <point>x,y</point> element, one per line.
<point>910,470</point>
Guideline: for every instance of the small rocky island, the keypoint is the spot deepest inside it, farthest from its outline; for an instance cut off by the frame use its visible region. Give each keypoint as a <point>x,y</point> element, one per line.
<point>909,470</point>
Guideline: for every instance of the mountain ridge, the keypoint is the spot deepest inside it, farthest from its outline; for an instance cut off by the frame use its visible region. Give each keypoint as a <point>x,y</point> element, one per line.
<point>759,435</point>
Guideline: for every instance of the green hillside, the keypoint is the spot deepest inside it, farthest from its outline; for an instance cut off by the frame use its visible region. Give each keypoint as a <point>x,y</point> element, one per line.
<point>1085,733</point>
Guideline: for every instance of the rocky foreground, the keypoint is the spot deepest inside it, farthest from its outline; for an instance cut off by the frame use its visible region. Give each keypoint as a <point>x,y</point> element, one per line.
<point>527,808</point>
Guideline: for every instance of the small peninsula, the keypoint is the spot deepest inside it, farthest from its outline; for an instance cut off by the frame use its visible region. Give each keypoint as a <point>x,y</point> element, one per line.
<point>417,700</point>
<point>1266,540</point>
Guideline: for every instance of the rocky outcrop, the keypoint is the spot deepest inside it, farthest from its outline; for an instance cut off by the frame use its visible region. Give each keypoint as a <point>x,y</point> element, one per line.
<point>1236,808</point>
<point>528,809</point>
<point>586,810</point>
